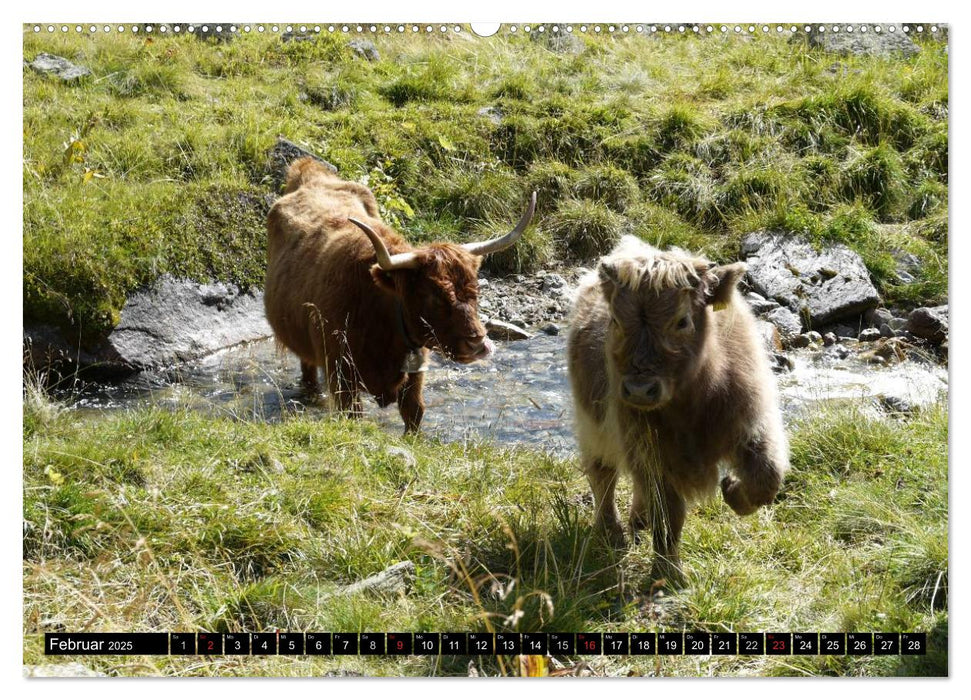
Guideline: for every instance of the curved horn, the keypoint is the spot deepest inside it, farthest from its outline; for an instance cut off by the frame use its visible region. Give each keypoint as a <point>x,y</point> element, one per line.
<point>386,261</point>
<point>497,244</point>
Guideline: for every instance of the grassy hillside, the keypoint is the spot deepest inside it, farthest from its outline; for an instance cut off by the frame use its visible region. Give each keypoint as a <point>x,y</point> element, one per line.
<point>162,520</point>
<point>158,161</point>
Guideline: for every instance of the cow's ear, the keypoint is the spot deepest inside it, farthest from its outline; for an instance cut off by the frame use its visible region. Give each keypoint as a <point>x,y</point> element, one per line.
<point>384,279</point>
<point>720,282</point>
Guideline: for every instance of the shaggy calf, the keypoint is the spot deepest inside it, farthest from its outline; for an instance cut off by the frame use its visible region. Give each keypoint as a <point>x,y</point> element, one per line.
<point>670,378</point>
<point>346,293</point>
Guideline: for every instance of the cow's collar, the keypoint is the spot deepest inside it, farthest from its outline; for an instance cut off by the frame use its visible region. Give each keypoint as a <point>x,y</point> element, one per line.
<point>415,359</point>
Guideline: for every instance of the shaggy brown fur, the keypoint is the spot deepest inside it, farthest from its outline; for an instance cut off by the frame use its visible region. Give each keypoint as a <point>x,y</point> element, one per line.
<point>669,379</point>
<point>329,303</point>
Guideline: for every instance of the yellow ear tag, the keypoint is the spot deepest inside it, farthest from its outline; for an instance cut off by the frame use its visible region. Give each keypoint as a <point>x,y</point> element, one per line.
<point>720,306</point>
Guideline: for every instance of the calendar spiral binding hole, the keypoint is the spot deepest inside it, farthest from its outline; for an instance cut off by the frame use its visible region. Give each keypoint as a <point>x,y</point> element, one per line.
<point>592,29</point>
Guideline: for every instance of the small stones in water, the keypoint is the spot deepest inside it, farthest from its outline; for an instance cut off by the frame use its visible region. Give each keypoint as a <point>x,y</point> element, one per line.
<point>551,329</point>
<point>800,341</point>
<point>886,351</point>
<point>868,335</point>
<point>829,339</point>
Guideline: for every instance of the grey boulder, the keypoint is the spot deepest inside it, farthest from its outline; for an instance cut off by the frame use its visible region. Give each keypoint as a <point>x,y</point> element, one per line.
<point>819,286</point>
<point>61,67</point>
<point>179,320</point>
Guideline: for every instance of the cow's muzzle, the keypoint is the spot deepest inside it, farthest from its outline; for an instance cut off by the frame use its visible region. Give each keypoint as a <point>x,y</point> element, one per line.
<point>472,349</point>
<point>644,393</point>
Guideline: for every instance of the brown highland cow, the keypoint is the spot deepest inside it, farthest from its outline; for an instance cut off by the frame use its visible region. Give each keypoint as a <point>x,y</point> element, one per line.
<point>346,293</point>
<point>670,379</point>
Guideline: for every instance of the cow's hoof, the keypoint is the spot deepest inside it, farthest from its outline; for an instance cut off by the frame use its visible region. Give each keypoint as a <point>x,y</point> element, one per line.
<point>666,576</point>
<point>613,535</point>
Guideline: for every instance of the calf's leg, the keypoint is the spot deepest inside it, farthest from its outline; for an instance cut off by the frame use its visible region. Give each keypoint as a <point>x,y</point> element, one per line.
<point>603,483</point>
<point>759,466</point>
<point>667,523</point>
<point>411,403</point>
<point>657,505</point>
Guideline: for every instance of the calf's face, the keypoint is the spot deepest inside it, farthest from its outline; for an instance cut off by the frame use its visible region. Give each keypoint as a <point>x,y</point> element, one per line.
<point>659,322</point>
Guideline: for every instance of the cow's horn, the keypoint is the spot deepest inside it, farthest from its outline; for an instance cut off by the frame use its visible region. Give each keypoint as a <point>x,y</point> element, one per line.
<point>497,244</point>
<point>386,261</point>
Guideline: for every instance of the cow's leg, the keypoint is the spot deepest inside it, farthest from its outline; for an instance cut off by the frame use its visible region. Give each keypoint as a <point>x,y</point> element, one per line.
<point>603,482</point>
<point>308,377</point>
<point>667,521</point>
<point>411,403</point>
<point>759,466</point>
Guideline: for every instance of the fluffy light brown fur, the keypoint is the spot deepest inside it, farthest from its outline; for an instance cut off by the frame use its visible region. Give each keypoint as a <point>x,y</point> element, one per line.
<point>330,303</point>
<point>648,318</point>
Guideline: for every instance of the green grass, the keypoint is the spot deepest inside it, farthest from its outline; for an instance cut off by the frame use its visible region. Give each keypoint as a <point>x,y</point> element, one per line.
<point>177,520</point>
<point>157,162</point>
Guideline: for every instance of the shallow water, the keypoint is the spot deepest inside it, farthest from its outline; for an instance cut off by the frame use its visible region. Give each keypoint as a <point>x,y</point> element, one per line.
<point>519,396</point>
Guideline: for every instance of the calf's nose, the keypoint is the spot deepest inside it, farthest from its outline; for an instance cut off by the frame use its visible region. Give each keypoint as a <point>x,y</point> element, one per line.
<point>642,391</point>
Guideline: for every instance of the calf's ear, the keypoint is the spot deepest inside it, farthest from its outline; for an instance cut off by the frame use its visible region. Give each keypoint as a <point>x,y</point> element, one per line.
<point>720,283</point>
<point>609,277</point>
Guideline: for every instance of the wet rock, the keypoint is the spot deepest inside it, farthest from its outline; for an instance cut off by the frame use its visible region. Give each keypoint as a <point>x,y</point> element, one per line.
<point>770,336</point>
<point>179,320</point>
<point>364,48</point>
<point>781,363</point>
<point>837,351</point>
<point>929,323</point>
<point>801,341</point>
<point>282,155</point>
<point>877,317</point>
<point>868,335</point>
<point>759,304</point>
<point>822,287</point>
<point>895,404</point>
<point>844,331</point>
<point>71,670</point>
<point>886,351</point>
<point>829,339</point>
<point>493,114</point>
<point>61,67</point>
<point>897,324</point>
<point>556,38</point>
<point>787,322</point>
<point>501,330</point>
<point>857,43</point>
<point>886,331</point>
<point>551,329</point>
<point>814,337</point>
